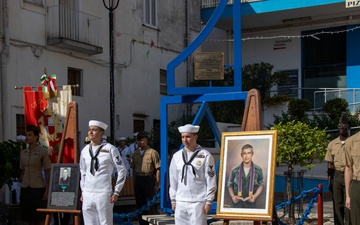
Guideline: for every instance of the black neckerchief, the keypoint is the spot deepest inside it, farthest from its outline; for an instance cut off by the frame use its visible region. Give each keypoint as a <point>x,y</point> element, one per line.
<point>122,149</point>
<point>188,163</point>
<point>94,158</point>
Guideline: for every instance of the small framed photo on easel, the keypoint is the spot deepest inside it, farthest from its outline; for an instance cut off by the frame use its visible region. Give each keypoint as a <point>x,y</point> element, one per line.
<point>64,186</point>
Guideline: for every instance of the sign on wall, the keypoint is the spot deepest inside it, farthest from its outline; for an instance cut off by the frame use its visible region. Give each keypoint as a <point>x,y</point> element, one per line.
<point>282,44</point>
<point>352,3</point>
<point>209,66</point>
<point>291,87</point>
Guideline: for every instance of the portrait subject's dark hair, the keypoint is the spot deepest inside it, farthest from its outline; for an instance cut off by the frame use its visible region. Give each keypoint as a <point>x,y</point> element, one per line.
<point>34,129</point>
<point>247,146</point>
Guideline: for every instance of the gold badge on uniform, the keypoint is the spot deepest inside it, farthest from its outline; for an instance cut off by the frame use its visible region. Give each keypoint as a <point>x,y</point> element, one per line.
<point>198,163</point>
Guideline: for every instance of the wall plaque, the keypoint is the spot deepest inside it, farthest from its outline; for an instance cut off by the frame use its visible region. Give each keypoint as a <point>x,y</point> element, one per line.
<point>64,186</point>
<point>209,66</point>
<point>290,88</point>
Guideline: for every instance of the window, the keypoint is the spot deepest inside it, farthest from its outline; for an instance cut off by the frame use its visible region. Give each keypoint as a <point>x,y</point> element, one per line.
<point>67,3</point>
<point>163,82</point>
<point>74,79</point>
<point>37,2</point>
<point>150,13</point>
<point>324,62</point>
<point>20,124</point>
<point>139,125</point>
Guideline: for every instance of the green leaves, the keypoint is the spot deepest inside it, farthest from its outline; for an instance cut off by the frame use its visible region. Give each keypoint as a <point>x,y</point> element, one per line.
<point>9,162</point>
<point>300,144</point>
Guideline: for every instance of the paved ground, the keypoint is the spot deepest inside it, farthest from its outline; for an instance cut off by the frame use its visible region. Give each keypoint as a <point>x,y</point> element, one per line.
<point>130,207</point>
<point>313,216</point>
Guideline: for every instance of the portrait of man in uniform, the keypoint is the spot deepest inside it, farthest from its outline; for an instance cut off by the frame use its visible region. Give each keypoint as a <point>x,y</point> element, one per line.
<point>246,181</point>
<point>247,167</point>
<point>64,179</point>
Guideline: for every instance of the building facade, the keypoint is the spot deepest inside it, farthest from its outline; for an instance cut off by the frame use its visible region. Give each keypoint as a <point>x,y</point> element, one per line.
<point>316,42</point>
<point>71,38</point>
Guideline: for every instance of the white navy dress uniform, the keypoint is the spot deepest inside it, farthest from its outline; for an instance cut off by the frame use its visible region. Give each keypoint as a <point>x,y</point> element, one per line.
<point>133,146</point>
<point>125,153</point>
<point>192,182</point>
<point>96,166</point>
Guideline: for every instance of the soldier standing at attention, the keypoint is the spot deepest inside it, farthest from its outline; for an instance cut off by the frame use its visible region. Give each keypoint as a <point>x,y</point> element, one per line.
<point>336,169</point>
<point>145,162</point>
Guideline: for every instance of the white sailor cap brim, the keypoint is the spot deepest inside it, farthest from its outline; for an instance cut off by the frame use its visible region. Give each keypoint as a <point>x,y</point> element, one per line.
<point>98,124</point>
<point>20,138</point>
<point>121,139</point>
<point>189,128</point>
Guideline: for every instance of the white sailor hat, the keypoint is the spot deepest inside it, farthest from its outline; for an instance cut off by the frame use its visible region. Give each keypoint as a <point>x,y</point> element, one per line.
<point>188,128</point>
<point>98,124</point>
<point>121,138</point>
<point>20,138</point>
<point>135,134</point>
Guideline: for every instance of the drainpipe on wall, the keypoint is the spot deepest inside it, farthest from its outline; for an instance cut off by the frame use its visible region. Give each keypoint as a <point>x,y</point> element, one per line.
<point>186,43</point>
<point>4,60</point>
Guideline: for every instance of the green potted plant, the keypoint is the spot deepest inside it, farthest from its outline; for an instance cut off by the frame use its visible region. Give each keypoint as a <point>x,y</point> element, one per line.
<point>299,144</point>
<point>9,162</point>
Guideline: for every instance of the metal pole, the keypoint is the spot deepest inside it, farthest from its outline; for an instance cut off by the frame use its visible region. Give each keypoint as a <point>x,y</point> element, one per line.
<point>111,8</point>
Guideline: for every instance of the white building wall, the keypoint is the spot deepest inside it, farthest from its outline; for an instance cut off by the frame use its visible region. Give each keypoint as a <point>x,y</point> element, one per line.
<point>260,47</point>
<point>136,73</point>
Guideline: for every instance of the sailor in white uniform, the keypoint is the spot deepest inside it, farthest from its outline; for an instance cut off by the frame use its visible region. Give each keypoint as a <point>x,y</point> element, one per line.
<point>192,180</point>
<point>125,153</point>
<point>133,146</point>
<point>97,162</point>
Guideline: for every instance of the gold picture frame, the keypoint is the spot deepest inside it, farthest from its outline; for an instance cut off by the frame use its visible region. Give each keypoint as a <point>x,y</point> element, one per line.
<point>245,203</point>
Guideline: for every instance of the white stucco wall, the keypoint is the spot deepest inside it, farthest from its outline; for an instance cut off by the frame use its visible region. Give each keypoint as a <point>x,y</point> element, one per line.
<point>136,74</point>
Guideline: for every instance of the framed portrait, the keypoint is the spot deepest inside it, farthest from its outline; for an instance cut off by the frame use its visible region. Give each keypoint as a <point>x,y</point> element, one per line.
<point>247,175</point>
<point>64,186</point>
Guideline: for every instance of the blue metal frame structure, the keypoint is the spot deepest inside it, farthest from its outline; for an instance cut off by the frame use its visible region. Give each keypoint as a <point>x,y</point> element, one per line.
<point>198,94</point>
<point>204,110</point>
<point>173,90</point>
<point>269,6</point>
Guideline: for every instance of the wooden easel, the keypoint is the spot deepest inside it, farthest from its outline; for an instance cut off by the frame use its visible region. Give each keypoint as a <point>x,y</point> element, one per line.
<point>70,132</point>
<point>251,122</point>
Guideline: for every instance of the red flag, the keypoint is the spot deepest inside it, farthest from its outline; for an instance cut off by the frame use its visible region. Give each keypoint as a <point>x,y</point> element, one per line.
<point>44,114</point>
<point>34,103</point>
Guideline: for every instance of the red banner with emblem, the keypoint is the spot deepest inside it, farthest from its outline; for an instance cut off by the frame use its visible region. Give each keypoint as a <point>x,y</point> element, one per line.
<point>49,115</point>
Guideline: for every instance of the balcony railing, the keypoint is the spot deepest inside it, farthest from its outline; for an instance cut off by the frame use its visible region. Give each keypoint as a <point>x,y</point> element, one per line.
<point>72,29</point>
<point>351,95</point>
<point>319,96</point>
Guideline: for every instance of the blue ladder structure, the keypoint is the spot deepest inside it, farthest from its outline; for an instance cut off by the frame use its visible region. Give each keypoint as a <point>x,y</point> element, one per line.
<point>198,94</point>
